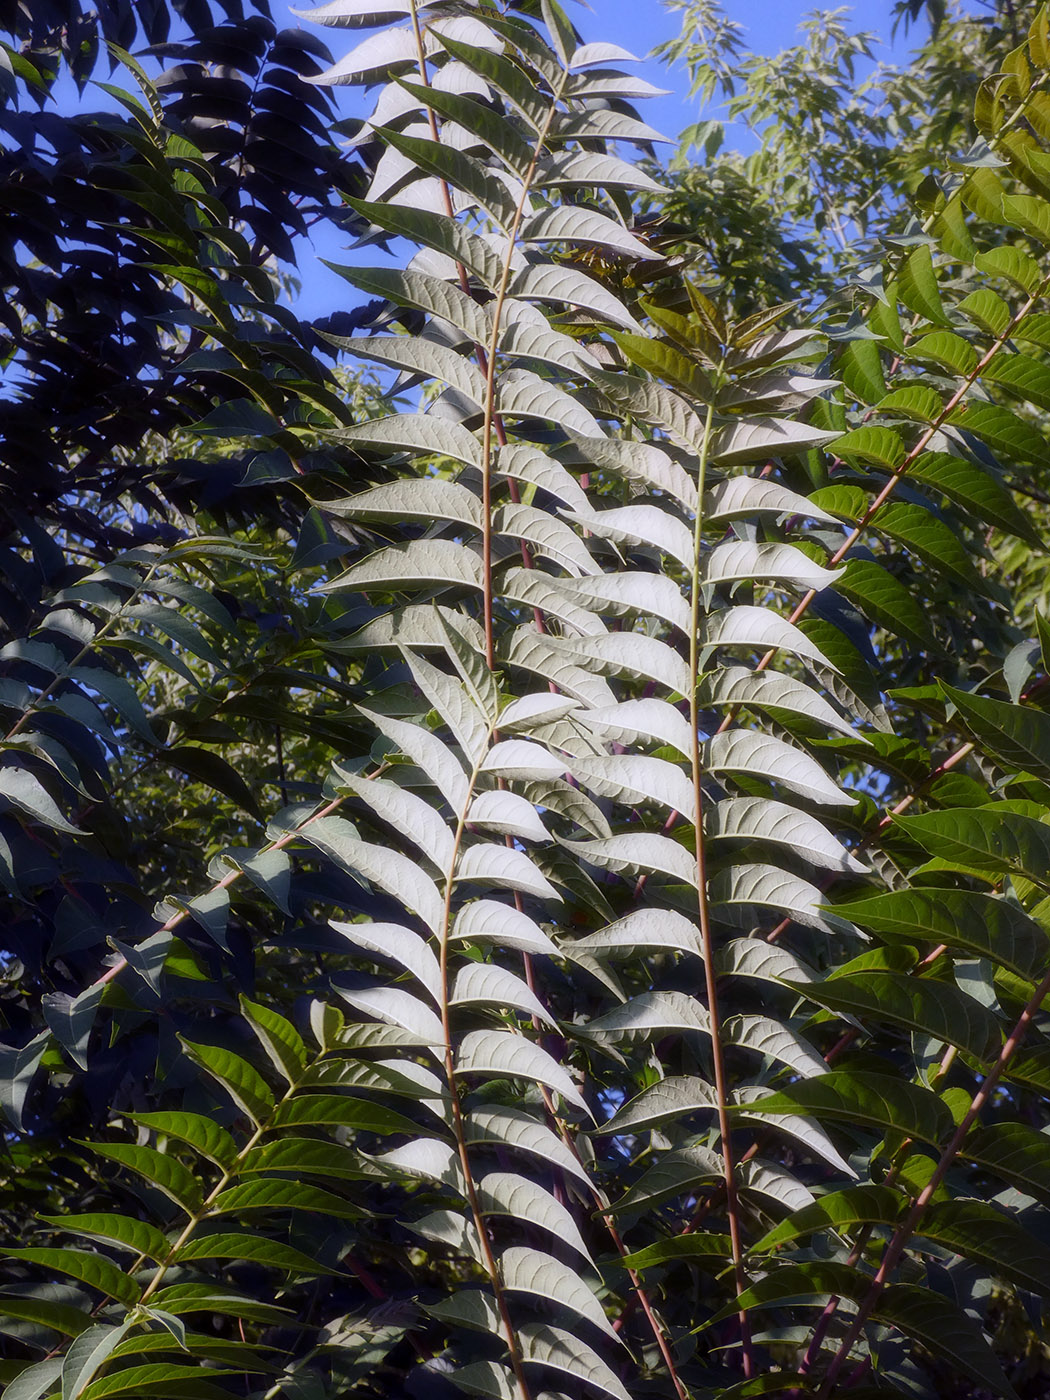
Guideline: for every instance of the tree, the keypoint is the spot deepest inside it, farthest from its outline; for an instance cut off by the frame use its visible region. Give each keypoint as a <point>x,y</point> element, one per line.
<point>615,960</point>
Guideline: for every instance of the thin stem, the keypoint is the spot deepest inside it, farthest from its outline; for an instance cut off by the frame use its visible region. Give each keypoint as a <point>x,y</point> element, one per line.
<point>227,880</point>
<point>904,1232</point>
<point>88,646</point>
<point>489,367</point>
<point>486,358</point>
<point>912,456</point>
<point>491,1267</point>
<point>706,934</point>
<point>659,1335</point>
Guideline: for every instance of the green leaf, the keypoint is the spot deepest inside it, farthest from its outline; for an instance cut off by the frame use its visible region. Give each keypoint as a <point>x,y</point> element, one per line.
<point>1030,213</point>
<point>808,1282</point>
<point>421,434</point>
<point>436,230</point>
<point>707,1250</point>
<point>1012,265</point>
<point>204,1134</point>
<point>885,600</point>
<point>1005,433</point>
<point>663,361</point>
<point>304,1157</point>
<point>277,1194</point>
<point>23,790</point>
<point>421,291</point>
<point>875,1100</point>
<point>975,489</point>
<point>989,311</point>
<point>860,369</point>
<point>504,75</point>
<point>175,1338</point>
<point>244,1084</point>
<point>162,1379</point>
<point>1013,1152</point>
<point>278,1037</point>
<point>59,1317</point>
<point>493,132</point>
<point>86,1354</point>
<point>529,1270</point>
<point>562,1351</point>
<point>252,1249</point>
<point>1017,735</point>
<point>945,1330</point>
<point>345,1112</point>
<point>516,1129</point>
<point>457,169</point>
<point>931,1008</point>
<point>946,350</point>
<point>1023,377</point>
<point>211,769</point>
<point>993,839</point>
<point>880,446</point>
<point>990,1238</point>
<point>501,1053</point>
<point>507,1194</point>
<point>212,1297</point>
<point>134,1235</point>
<point>917,286</point>
<point>167,1173</point>
<point>982,924</point>
<point>93,1269</point>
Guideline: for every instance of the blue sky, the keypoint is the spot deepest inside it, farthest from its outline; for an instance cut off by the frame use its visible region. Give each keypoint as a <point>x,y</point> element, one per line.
<point>770,25</point>
<point>637,25</point>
